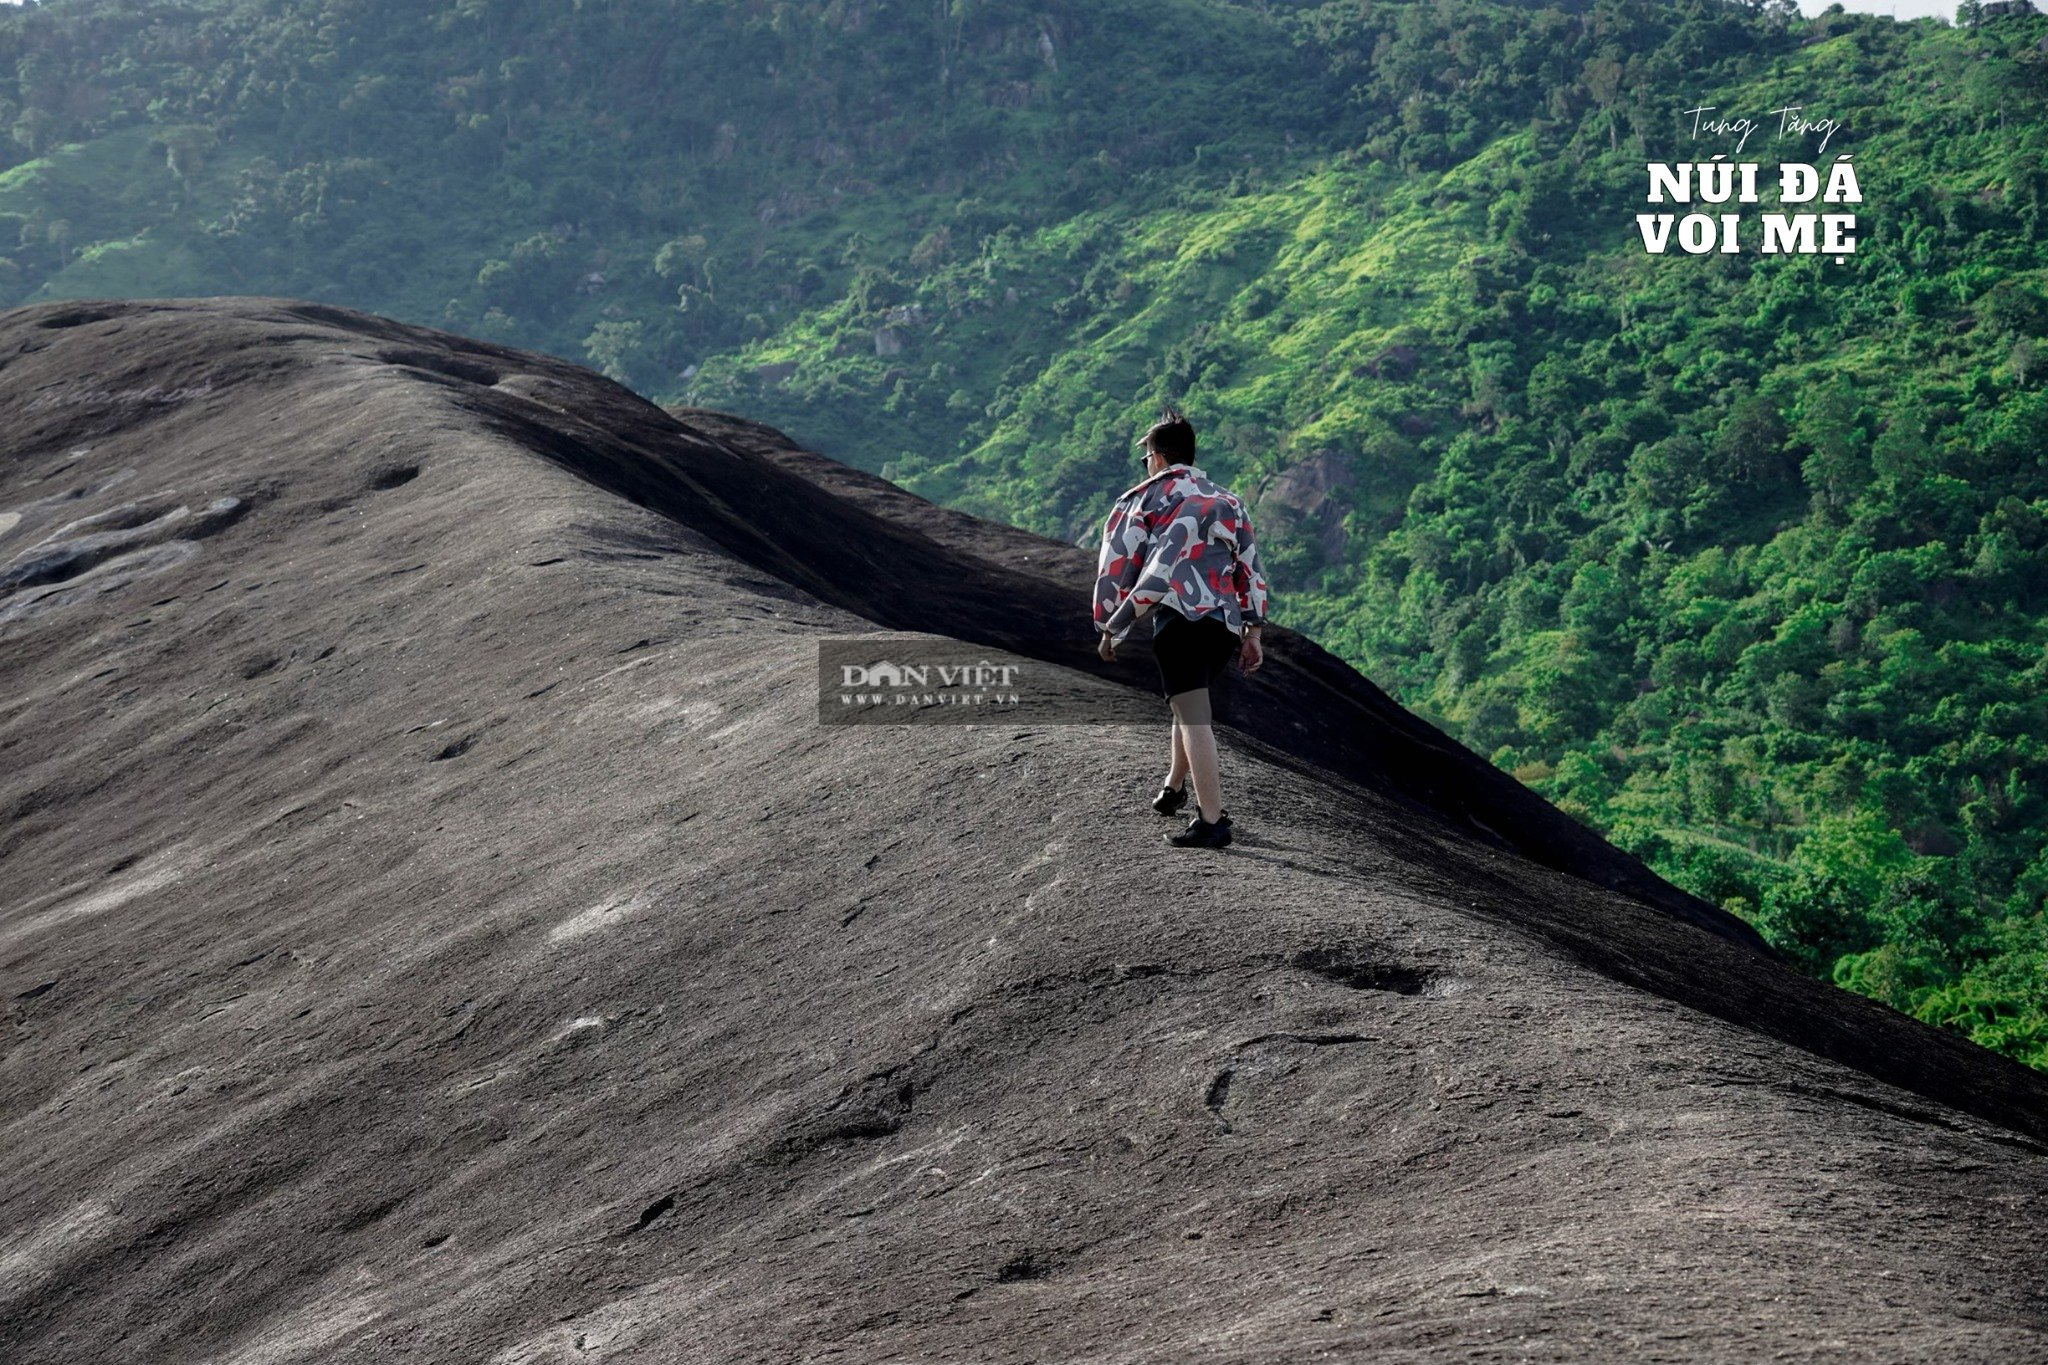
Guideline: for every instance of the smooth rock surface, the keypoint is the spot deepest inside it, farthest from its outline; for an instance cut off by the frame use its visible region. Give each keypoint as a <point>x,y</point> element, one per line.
<point>435,927</point>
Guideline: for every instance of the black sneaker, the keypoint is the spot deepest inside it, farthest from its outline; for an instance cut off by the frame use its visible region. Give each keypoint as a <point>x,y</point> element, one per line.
<point>1201,834</point>
<point>1171,799</point>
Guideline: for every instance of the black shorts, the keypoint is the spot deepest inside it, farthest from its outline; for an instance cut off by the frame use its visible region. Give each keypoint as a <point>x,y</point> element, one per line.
<point>1191,654</point>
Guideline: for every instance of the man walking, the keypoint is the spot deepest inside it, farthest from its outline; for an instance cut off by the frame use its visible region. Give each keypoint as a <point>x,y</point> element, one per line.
<point>1178,547</point>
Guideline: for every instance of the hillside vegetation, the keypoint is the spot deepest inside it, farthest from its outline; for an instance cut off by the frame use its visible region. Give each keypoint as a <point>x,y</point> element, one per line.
<point>1740,558</point>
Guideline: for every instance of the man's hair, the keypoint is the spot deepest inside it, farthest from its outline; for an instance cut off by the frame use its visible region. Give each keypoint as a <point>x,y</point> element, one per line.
<point>1172,436</point>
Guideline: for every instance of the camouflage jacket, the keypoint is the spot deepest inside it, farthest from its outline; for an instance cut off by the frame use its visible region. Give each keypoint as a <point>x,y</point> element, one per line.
<point>1179,540</point>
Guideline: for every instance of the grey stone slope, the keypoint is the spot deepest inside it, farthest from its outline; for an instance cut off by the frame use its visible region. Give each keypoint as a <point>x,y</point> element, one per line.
<point>434,927</point>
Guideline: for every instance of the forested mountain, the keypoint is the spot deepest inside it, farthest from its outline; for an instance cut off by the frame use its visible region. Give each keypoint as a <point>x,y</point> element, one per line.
<point>1741,558</point>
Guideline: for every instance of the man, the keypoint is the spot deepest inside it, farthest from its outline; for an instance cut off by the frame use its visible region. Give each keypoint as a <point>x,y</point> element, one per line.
<point>1179,548</point>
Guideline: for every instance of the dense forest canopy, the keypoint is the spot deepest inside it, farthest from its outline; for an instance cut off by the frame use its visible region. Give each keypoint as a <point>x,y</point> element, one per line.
<point>1741,558</point>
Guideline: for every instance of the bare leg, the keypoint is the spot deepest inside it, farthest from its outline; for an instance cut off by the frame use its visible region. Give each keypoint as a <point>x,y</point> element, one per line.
<point>1198,741</point>
<point>1177,767</point>
<point>1207,772</point>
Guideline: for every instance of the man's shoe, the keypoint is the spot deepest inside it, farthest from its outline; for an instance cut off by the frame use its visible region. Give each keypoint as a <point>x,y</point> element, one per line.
<point>1201,834</point>
<point>1171,799</point>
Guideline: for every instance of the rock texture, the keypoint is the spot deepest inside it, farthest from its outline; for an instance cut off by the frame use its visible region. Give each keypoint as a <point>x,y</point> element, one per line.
<point>1299,501</point>
<point>434,927</point>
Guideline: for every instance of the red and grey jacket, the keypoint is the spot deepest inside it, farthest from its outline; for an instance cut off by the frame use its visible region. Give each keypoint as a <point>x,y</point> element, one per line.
<point>1183,541</point>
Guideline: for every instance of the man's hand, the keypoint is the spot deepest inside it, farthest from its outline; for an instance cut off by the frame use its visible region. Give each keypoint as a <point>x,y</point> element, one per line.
<point>1251,654</point>
<point>1105,647</point>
